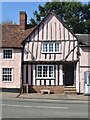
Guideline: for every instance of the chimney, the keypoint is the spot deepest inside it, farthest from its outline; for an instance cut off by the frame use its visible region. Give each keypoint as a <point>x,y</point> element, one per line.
<point>23,20</point>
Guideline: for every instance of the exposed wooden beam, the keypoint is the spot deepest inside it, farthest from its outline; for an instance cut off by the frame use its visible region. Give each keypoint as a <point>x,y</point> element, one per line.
<point>70,52</point>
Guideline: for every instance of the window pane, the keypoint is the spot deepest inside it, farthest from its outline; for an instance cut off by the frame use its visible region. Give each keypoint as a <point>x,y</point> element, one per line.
<point>45,47</point>
<point>51,71</point>
<point>56,47</point>
<point>39,71</point>
<point>50,47</point>
<point>45,68</point>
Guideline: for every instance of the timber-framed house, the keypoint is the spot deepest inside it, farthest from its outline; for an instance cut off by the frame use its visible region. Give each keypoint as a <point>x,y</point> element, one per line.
<point>50,57</point>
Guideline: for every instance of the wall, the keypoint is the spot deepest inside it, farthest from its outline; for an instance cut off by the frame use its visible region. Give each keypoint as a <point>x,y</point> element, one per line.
<point>53,89</point>
<point>84,65</point>
<point>16,65</point>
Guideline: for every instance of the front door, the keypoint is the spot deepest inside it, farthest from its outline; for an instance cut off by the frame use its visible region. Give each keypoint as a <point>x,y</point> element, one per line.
<point>87,82</point>
<point>68,76</point>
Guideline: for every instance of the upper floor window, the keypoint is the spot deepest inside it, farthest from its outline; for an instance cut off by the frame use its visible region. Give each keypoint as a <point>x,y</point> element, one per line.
<point>51,47</point>
<point>7,74</point>
<point>7,54</point>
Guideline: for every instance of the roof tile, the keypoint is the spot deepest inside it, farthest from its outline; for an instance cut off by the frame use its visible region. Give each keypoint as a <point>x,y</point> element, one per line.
<point>12,36</point>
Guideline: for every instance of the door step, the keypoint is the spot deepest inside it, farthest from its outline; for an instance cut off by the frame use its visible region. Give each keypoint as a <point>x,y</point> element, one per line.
<point>70,90</point>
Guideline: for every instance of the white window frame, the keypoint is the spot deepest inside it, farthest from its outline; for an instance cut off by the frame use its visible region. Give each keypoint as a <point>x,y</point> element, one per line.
<point>4,74</point>
<point>48,51</point>
<point>47,72</point>
<point>8,58</point>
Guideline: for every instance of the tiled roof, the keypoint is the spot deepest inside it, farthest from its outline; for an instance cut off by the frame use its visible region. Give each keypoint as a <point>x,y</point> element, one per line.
<point>84,39</point>
<point>12,36</point>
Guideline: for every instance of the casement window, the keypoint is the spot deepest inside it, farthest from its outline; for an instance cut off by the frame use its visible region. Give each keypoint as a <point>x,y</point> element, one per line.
<point>7,54</point>
<point>45,71</point>
<point>51,47</point>
<point>7,74</point>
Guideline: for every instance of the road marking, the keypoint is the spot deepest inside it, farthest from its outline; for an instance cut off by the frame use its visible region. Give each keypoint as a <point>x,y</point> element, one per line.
<point>65,108</point>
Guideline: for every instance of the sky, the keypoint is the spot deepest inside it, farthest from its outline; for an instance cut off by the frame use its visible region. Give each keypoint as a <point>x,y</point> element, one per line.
<point>10,10</point>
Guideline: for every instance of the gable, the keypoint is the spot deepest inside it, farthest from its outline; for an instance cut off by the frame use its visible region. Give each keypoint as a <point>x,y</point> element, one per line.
<point>51,28</point>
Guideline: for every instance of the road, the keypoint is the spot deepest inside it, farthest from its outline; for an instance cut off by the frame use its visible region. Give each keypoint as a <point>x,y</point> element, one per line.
<point>26,108</point>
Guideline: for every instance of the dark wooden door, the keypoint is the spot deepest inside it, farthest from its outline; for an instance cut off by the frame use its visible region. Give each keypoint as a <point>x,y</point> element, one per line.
<point>68,77</point>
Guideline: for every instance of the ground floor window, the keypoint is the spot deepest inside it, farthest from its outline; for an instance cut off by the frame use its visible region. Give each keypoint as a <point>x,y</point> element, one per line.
<point>45,71</point>
<point>7,74</point>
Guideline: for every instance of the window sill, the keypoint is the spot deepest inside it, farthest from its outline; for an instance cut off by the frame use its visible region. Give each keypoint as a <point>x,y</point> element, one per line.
<point>7,81</point>
<point>51,52</point>
<point>44,78</point>
<point>8,59</point>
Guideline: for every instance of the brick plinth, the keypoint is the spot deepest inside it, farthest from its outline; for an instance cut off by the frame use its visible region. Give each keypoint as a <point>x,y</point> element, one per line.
<point>53,89</point>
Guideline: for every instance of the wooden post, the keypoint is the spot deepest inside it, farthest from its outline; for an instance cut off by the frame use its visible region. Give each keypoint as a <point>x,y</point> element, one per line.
<point>33,74</point>
<point>77,78</point>
<point>74,74</point>
<point>25,86</point>
<point>61,74</point>
<point>56,74</point>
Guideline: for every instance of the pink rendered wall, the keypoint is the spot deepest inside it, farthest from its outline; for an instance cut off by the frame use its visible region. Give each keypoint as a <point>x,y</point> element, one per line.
<point>16,65</point>
<point>84,56</point>
<point>84,65</point>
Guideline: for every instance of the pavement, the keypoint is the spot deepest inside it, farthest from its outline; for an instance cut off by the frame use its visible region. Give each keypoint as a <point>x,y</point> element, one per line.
<point>80,97</point>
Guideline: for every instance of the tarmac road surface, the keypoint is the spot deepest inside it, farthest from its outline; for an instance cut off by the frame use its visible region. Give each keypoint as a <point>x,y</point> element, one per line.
<point>26,108</point>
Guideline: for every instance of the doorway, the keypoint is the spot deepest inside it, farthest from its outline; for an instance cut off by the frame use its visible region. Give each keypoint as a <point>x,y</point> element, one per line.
<point>68,76</point>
